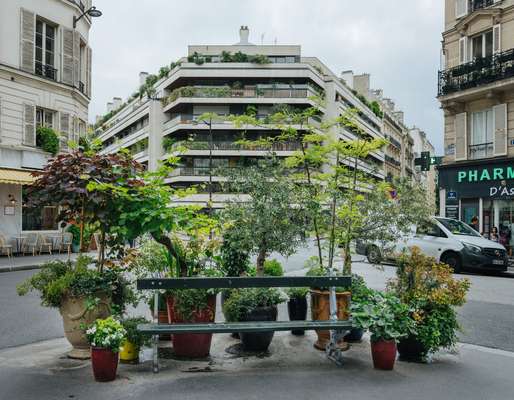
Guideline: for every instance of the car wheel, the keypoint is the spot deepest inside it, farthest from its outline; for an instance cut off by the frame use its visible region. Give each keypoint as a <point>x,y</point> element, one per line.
<point>453,261</point>
<point>373,255</point>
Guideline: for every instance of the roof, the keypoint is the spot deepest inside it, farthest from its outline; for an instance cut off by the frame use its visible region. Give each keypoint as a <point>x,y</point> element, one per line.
<point>16,176</point>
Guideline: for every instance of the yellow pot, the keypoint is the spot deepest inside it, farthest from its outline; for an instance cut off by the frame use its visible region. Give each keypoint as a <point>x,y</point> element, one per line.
<point>129,351</point>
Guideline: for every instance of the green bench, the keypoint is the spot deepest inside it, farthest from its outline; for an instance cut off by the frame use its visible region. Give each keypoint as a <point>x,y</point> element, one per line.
<point>337,327</point>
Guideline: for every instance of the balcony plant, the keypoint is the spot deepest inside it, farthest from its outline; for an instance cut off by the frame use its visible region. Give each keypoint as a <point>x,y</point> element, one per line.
<point>432,293</point>
<point>259,304</point>
<point>105,336</point>
<point>388,320</point>
<point>47,139</point>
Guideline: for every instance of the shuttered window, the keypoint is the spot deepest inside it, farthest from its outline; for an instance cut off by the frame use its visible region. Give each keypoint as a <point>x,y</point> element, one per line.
<point>28,20</point>
<point>64,123</point>
<point>461,8</point>
<point>463,50</point>
<point>500,129</point>
<point>497,39</point>
<point>76,58</point>
<point>461,137</point>
<point>67,56</point>
<point>29,126</point>
<point>88,71</point>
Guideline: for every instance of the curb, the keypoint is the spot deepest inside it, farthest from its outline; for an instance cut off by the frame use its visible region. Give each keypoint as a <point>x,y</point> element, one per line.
<point>19,268</point>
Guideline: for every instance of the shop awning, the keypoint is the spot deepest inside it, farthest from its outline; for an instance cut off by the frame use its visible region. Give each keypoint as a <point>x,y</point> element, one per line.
<point>16,177</point>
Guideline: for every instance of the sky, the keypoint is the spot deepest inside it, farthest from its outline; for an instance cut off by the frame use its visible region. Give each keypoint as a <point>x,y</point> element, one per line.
<point>397,42</point>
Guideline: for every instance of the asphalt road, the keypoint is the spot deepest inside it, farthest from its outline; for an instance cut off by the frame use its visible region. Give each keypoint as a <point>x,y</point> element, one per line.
<point>487,318</point>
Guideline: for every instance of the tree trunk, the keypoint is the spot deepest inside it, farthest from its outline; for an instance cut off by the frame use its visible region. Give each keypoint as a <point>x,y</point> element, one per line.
<point>101,251</point>
<point>261,257</point>
<point>81,240</point>
<point>347,266</point>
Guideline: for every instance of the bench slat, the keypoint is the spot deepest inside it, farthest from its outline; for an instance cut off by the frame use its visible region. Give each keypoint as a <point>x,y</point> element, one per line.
<point>244,282</point>
<point>229,327</point>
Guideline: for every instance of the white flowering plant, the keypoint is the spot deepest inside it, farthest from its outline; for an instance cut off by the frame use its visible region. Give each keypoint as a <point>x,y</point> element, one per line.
<point>106,333</point>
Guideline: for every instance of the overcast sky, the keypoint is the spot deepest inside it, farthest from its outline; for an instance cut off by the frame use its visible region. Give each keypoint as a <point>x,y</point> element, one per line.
<point>397,42</point>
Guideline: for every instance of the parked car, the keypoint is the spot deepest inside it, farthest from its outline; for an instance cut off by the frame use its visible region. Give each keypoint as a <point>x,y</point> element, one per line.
<point>447,240</point>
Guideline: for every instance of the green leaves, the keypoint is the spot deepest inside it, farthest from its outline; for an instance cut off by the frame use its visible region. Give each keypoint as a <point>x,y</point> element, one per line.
<point>47,139</point>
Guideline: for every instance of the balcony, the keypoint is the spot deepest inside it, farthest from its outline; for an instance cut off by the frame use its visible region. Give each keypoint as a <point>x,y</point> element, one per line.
<point>289,92</point>
<point>476,73</point>
<point>392,160</point>
<point>230,146</point>
<point>475,5</point>
<point>479,151</point>
<point>46,71</point>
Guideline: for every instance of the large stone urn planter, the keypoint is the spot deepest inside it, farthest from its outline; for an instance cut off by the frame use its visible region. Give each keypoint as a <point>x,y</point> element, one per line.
<point>75,316</point>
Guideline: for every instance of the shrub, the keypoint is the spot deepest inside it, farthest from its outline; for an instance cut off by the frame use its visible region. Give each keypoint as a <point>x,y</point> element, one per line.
<point>234,259</point>
<point>259,59</point>
<point>106,333</point>
<point>244,301</point>
<point>134,336</point>
<point>273,268</point>
<point>47,139</point>
<point>75,231</point>
<point>297,292</point>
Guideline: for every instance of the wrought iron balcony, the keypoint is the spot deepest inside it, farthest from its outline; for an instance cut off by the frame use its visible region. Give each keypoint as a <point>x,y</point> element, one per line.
<point>46,71</point>
<point>479,151</point>
<point>392,160</point>
<point>478,72</point>
<point>479,4</point>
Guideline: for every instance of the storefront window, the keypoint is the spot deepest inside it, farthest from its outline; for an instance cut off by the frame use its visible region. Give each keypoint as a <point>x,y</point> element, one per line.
<point>39,218</point>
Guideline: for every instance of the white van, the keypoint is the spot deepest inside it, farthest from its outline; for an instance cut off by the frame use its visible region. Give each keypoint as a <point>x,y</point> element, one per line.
<point>449,241</point>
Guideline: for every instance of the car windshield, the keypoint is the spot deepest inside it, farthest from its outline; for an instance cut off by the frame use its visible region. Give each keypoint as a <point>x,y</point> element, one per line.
<point>458,227</point>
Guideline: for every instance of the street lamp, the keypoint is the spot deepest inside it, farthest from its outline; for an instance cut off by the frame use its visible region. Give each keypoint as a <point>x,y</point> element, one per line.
<point>92,12</point>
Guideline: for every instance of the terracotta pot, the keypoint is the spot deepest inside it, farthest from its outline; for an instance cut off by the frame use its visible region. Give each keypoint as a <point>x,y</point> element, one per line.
<point>258,341</point>
<point>297,310</point>
<point>75,315</point>
<point>192,345</point>
<point>410,349</point>
<point>320,310</point>
<point>105,364</point>
<point>162,318</point>
<point>384,354</point>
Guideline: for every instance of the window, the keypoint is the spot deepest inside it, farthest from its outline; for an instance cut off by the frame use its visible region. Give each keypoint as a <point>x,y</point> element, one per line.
<point>482,131</point>
<point>82,66</point>
<point>44,118</point>
<point>482,45</point>
<point>45,50</point>
<point>429,229</point>
<point>38,219</point>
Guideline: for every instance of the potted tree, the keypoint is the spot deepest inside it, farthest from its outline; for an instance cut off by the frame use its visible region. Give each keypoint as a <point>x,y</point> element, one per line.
<point>259,304</point>
<point>297,307</point>
<point>432,294</point>
<point>105,337</point>
<point>134,339</point>
<point>388,320</point>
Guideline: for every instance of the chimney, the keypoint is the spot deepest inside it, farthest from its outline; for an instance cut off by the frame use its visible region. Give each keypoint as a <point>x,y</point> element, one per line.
<point>142,78</point>
<point>116,101</point>
<point>361,84</point>
<point>110,107</point>
<point>347,76</point>
<point>244,34</point>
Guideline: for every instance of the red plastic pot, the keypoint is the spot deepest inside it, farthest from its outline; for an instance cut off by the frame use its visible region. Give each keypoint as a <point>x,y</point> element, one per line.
<point>192,345</point>
<point>384,354</point>
<point>105,364</point>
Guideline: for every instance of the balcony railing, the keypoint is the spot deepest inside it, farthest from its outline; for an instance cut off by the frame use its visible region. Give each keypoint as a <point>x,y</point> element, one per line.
<point>483,150</point>
<point>479,4</point>
<point>478,72</point>
<point>196,171</point>
<point>227,145</point>
<point>81,87</point>
<point>392,160</point>
<point>300,91</point>
<point>46,71</point>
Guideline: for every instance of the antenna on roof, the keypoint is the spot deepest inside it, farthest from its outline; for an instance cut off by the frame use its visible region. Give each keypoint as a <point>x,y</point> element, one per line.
<point>262,38</point>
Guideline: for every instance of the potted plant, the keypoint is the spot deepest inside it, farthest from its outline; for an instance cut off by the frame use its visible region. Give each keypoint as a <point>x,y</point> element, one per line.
<point>257,304</point>
<point>388,320</point>
<point>134,340</point>
<point>432,293</point>
<point>81,294</point>
<point>320,304</point>
<point>105,337</point>
<point>360,294</point>
<point>297,307</point>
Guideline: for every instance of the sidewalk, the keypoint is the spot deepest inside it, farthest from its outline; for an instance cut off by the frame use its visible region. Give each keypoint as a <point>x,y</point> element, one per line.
<point>292,370</point>
<point>20,263</point>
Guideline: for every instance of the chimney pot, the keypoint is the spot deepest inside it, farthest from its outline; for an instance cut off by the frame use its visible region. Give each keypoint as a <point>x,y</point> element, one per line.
<point>142,77</point>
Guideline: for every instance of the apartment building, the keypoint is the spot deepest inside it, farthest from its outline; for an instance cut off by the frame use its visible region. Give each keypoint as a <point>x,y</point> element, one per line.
<point>45,80</point>
<point>399,156</point>
<point>476,92</point>
<point>228,80</point>
<point>428,179</point>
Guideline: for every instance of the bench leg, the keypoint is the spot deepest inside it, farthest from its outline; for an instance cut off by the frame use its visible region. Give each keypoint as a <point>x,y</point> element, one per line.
<point>332,350</point>
<point>155,338</point>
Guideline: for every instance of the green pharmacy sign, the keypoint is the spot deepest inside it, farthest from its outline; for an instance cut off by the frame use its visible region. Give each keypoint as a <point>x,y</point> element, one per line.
<point>485,174</point>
